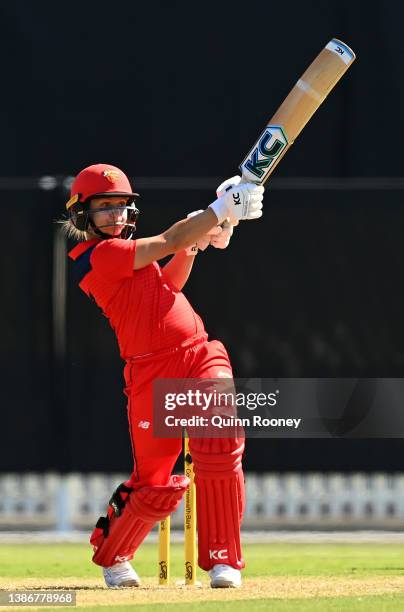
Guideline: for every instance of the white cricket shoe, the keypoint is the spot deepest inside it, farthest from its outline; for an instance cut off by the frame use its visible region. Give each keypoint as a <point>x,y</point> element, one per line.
<point>224,576</point>
<point>120,575</point>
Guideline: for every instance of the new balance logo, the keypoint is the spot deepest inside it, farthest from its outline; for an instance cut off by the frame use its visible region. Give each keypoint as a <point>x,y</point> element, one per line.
<point>218,555</point>
<point>144,424</point>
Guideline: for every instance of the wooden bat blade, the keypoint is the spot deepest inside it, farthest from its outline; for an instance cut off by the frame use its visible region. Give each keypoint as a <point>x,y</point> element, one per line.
<point>296,110</point>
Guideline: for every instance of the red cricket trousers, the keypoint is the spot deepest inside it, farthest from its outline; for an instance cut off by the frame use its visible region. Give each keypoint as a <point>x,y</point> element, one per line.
<point>154,458</point>
<point>217,462</point>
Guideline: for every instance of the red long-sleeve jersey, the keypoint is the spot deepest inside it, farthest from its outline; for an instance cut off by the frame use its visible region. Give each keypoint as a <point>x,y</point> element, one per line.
<point>147,313</point>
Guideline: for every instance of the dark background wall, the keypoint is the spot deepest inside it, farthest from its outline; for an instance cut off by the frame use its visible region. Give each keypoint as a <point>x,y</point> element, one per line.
<point>181,89</point>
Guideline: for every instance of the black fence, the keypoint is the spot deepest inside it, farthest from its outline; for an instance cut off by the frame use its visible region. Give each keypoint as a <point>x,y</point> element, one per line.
<point>176,89</point>
<point>315,288</point>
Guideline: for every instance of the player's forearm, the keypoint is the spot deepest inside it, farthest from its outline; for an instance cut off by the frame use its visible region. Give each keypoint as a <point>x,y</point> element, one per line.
<point>178,269</point>
<point>186,232</point>
<point>240,205</point>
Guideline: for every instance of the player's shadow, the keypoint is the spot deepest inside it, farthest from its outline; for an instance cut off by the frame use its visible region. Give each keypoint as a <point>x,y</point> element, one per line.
<point>72,587</point>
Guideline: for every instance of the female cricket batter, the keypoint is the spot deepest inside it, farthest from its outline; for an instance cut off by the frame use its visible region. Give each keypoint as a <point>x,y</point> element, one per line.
<point>160,336</point>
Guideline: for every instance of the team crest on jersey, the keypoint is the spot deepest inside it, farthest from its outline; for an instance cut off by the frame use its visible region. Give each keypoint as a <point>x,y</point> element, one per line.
<point>111,175</point>
<point>263,155</point>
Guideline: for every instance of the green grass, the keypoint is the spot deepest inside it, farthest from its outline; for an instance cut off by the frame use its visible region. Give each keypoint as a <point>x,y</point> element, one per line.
<point>292,562</point>
<point>54,560</point>
<point>387,603</point>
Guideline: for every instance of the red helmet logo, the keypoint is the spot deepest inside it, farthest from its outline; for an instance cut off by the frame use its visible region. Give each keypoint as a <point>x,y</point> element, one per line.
<point>99,180</point>
<point>111,175</point>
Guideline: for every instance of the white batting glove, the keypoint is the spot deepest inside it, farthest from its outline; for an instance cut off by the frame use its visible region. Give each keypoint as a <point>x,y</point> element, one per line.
<point>221,190</point>
<point>203,242</point>
<point>221,241</point>
<point>240,203</point>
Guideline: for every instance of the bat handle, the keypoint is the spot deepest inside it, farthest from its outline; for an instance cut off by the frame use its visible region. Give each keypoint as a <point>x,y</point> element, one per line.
<point>245,180</point>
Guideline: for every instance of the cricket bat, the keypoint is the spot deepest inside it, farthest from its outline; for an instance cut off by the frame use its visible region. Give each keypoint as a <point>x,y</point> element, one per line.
<point>296,110</point>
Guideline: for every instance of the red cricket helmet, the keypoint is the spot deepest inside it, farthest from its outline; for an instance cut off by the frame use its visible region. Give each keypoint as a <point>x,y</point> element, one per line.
<point>96,181</point>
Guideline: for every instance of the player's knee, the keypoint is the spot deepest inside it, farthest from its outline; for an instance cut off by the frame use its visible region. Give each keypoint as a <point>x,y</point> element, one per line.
<point>216,455</point>
<point>156,502</point>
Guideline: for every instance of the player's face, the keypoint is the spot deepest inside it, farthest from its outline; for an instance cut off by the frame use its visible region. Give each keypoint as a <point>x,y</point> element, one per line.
<point>109,214</point>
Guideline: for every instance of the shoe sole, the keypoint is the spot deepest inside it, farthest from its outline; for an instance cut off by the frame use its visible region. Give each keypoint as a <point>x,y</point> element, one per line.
<point>224,584</point>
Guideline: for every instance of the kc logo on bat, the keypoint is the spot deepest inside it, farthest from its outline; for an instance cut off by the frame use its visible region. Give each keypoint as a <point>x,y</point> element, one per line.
<point>263,155</point>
